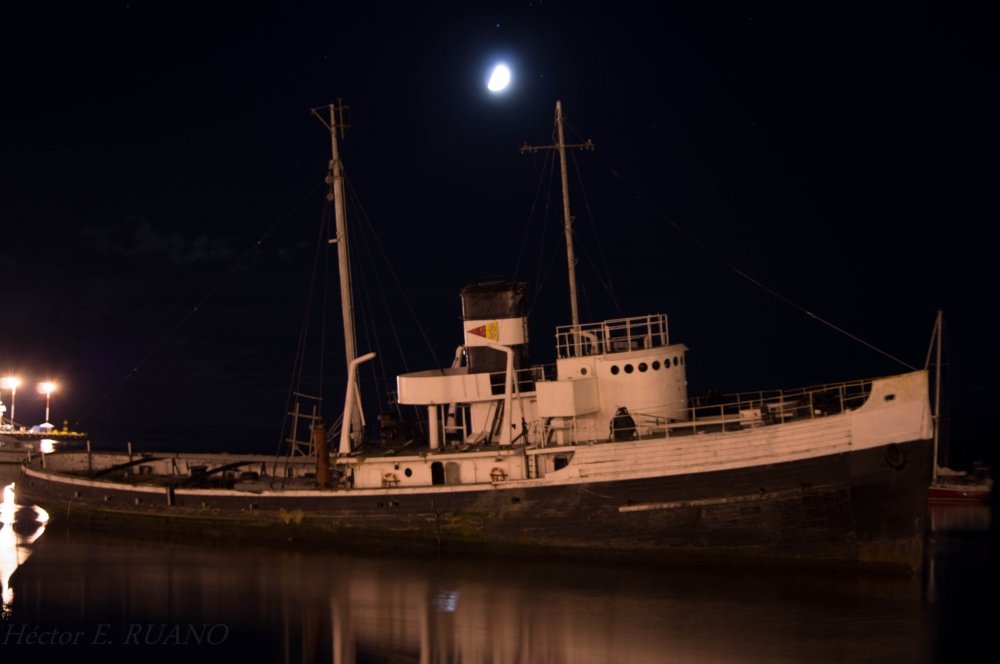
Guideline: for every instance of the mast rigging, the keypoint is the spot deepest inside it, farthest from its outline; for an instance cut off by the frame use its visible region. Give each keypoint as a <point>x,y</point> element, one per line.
<point>567,218</point>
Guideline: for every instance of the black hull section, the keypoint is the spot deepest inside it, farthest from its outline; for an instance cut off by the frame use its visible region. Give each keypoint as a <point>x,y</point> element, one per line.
<point>860,508</point>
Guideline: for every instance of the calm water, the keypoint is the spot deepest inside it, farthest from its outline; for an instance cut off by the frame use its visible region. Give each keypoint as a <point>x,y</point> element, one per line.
<point>287,606</point>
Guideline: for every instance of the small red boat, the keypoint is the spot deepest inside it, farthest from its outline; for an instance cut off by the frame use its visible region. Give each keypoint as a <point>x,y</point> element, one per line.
<point>954,492</point>
<point>950,486</point>
<point>947,485</point>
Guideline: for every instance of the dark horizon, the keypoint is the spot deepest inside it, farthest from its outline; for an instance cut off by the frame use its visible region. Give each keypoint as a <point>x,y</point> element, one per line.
<point>842,157</point>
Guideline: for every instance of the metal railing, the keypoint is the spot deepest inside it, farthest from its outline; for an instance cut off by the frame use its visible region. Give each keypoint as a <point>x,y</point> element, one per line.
<point>525,379</point>
<point>734,412</point>
<point>612,336</point>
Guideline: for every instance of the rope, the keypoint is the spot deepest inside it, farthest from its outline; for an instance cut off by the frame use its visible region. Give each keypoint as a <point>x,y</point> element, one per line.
<point>284,217</point>
<point>743,274</point>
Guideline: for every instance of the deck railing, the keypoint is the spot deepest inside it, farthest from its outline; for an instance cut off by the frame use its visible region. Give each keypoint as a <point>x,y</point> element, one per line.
<point>745,410</point>
<point>733,412</point>
<point>612,336</point>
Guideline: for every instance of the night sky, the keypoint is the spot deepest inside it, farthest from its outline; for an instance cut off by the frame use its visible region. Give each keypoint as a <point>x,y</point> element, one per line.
<point>845,156</point>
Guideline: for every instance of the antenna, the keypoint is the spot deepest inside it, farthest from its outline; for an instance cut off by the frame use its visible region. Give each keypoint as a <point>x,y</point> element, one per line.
<point>568,220</point>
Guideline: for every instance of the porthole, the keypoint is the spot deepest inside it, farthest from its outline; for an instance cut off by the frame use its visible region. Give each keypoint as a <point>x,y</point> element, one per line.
<point>408,472</point>
<point>675,361</point>
<point>614,372</point>
<point>583,371</point>
<point>656,365</point>
<point>629,368</point>
<point>642,366</point>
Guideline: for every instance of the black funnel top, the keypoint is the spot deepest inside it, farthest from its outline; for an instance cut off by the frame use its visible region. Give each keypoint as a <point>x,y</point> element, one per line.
<point>494,299</point>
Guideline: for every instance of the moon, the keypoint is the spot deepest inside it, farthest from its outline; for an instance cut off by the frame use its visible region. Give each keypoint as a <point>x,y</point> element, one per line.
<point>499,78</point>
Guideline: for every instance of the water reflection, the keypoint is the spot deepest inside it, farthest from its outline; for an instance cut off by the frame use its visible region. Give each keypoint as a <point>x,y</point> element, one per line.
<point>20,527</point>
<point>959,517</point>
<point>297,607</point>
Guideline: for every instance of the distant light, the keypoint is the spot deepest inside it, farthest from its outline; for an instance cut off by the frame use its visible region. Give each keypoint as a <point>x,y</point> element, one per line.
<point>9,383</point>
<point>499,79</point>
<point>48,445</point>
<point>46,388</point>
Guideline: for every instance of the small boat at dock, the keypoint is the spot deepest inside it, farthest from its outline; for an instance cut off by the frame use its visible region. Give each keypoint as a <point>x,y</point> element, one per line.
<point>18,444</point>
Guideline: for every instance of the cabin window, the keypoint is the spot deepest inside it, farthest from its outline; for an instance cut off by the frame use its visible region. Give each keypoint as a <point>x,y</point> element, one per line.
<point>560,462</point>
<point>437,473</point>
<point>583,371</point>
<point>682,359</point>
<point>629,368</point>
<point>675,361</point>
<point>614,369</point>
<point>408,472</point>
<point>642,366</point>
<point>656,365</point>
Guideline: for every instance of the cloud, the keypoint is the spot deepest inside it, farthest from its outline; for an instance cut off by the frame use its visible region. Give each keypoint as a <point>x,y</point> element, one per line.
<point>136,237</point>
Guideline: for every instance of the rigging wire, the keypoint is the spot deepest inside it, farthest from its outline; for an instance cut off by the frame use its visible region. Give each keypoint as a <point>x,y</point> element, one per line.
<point>282,219</point>
<point>607,286</point>
<point>600,249</point>
<point>735,269</point>
<point>936,331</point>
<point>366,300</point>
<point>538,290</point>
<point>586,299</point>
<point>534,203</point>
<point>740,272</point>
<point>539,279</point>
<point>399,284</point>
<point>323,305</point>
<point>298,367</point>
<point>385,304</point>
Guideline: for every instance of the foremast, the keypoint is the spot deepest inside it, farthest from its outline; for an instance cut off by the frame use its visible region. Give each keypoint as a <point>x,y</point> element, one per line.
<point>335,193</point>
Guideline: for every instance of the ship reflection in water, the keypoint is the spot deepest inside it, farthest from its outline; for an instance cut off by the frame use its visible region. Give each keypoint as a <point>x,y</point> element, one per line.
<point>327,607</point>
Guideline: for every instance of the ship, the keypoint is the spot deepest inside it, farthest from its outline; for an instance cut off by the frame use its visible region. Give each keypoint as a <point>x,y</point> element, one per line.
<point>602,454</point>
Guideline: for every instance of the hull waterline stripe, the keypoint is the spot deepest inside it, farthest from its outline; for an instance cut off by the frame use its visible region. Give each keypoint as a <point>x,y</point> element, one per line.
<point>767,495</point>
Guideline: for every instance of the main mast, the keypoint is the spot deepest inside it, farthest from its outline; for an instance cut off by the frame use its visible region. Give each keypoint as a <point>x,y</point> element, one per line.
<point>335,193</point>
<point>567,218</point>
